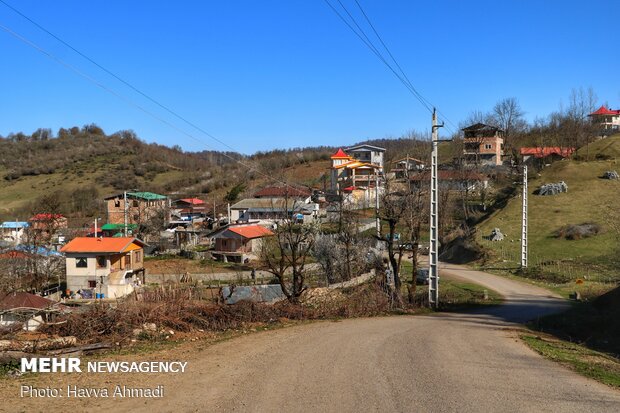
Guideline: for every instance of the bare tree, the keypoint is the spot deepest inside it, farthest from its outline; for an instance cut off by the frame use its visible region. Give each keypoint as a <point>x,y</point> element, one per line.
<point>285,256</point>
<point>508,116</point>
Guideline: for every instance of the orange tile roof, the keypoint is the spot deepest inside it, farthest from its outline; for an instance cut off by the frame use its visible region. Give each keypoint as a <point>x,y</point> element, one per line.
<point>251,231</point>
<point>90,244</point>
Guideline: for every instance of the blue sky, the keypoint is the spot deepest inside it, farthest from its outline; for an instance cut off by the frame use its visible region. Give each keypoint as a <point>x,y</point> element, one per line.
<point>277,74</point>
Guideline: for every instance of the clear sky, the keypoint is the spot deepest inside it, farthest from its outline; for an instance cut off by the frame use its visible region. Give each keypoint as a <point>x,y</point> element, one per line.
<point>277,74</point>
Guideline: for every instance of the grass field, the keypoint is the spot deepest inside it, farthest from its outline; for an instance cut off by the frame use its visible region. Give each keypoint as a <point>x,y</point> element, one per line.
<point>588,200</point>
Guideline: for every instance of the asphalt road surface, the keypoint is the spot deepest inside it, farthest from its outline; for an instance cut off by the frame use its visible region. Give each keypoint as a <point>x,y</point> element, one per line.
<point>467,362</point>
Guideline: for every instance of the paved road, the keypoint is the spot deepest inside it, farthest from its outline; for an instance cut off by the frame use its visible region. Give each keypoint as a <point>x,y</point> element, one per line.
<point>469,362</point>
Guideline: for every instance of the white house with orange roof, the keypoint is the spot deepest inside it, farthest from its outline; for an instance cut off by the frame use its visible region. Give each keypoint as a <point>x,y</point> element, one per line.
<point>105,266</point>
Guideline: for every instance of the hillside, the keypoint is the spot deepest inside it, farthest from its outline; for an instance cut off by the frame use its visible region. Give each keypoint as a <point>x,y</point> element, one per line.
<point>608,148</point>
<point>587,201</point>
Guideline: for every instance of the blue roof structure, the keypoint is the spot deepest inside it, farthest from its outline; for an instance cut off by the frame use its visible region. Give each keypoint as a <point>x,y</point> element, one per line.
<point>45,252</point>
<point>14,224</point>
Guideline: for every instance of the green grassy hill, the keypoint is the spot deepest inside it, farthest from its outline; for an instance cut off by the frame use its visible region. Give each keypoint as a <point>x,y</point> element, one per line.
<point>608,148</point>
<point>588,200</point>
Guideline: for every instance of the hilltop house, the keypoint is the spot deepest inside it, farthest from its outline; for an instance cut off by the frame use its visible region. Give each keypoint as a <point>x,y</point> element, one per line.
<point>13,231</point>
<point>108,266</point>
<point>406,167</point>
<point>607,119</point>
<point>483,144</point>
<point>138,207</point>
<point>239,243</point>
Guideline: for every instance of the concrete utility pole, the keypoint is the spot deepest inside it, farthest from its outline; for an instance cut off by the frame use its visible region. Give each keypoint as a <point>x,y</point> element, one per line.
<point>125,207</point>
<point>433,272</point>
<point>377,219</point>
<point>524,221</point>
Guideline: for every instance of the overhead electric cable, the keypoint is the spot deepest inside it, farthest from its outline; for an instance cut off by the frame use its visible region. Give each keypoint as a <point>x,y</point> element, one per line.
<point>402,77</point>
<point>132,103</point>
<point>126,83</point>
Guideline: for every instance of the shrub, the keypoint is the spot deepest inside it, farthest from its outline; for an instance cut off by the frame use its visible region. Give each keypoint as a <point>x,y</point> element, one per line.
<point>576,232</point>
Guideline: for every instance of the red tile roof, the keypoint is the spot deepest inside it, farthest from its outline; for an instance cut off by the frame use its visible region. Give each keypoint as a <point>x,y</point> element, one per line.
<point>543,152</point>
<point>282,191</point>
<point>193,201</point>
<point>340,154</point>
<point>13,254</point>
<point>251,231</point>
<point>24,300</point>
<point>89,244</point>
<point>604,111</point>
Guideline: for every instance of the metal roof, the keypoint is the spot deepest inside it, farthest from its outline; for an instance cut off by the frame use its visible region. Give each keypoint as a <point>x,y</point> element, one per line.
<point>14,224</point>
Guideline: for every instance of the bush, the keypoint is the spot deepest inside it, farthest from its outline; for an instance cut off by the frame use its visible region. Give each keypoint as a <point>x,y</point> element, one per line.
<point>576,232</point>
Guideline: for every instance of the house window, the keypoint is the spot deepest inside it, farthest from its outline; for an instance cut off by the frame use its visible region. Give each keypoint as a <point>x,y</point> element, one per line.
<point>488,146</point>
<point>134,204</point>
<point>81,262</point>
<point>138,256</point>
<point>117,203</point>
<point>128,259</point>
<point>101,261</point>
<point>92,284</point>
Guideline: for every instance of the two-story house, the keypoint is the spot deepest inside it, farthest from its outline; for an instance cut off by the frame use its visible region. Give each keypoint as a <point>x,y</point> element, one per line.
<point>367,154</point>
<point>13,231</point>
<point>189,208</point>
<point>137,207</point>
<point>483,144</point>
<point>106,266</point>
<point>607,119</point>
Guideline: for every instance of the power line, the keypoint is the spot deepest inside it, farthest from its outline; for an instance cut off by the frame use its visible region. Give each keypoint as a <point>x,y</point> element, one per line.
<point>401,75</point>
<point>126,83</point>
<point>132,103</point>
<point>378,54</point>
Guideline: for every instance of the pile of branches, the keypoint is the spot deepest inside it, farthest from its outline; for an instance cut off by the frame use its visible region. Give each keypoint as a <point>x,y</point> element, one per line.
<point>119,322</point>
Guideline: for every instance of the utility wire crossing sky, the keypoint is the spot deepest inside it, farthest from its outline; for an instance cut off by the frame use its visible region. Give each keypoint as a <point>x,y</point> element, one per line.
<point>255,76</point>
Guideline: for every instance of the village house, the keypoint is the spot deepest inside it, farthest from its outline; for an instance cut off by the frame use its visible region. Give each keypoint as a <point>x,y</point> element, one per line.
<point>189,208</point>
<point>239,243</point>
<point>406,167</point>
<point>607,119</point>
<point>452,180</point>
<point>267,211</point>
<point>285,191</point>
<point>483,145</point>
<point>540,156</point>
<point>136,207</point>
<point>27,309</point>
<point>109,267</point>
<point>368,154</point>
<point>355,178</point>
<point>13,232</point>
